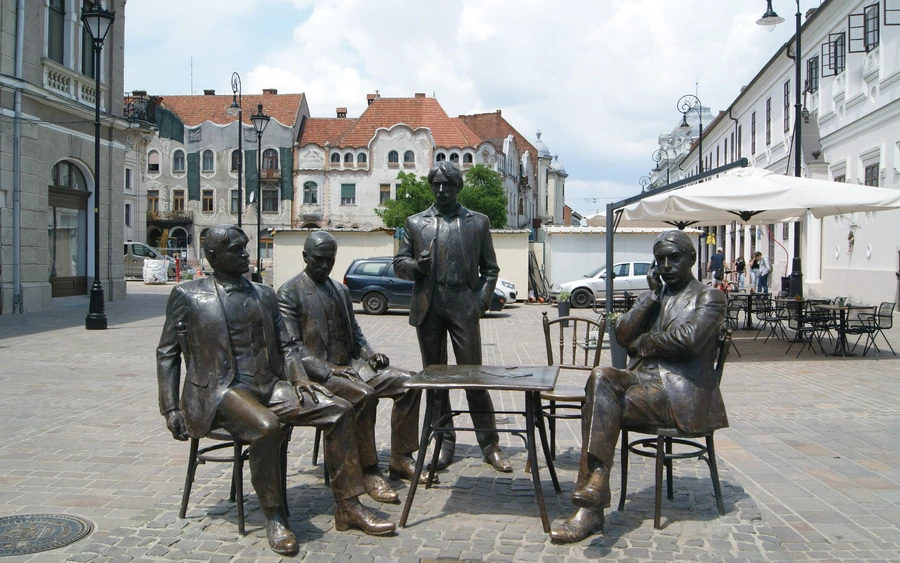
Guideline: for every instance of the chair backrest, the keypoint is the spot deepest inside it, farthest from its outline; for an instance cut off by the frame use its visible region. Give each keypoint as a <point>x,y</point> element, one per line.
<point>886,314</point>
<point>576,340</point>
<point>734,307</point>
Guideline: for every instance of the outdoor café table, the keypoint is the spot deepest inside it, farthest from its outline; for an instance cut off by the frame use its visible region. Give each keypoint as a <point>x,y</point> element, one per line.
<point>531,380</point>
<point>748,308</point>
<point>840,347</point>
<point>798,310</point>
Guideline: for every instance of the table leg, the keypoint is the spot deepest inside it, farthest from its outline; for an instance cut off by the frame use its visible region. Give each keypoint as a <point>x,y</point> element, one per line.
<point>532,457</point>
<point>548,451</point>
<point>420,458</point>
<point>749,321</point>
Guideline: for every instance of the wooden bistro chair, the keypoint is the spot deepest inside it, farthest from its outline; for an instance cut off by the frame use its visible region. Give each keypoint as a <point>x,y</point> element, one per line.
<point>660,447</point>
<point>573,343</point>
<point>239,454</point>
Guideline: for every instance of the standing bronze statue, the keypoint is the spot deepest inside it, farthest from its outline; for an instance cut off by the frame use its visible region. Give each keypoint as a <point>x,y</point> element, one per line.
<point>244,374</point>
<point>448,252</point>
<point>318,313</point>
<point>671,335</point>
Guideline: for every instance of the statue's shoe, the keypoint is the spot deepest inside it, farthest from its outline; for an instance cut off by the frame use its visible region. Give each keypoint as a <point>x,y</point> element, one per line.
<point>499,462</point>
<point>585,522</point>
<point>352,514</point>
<point>379,489</point>
<point>404,467</point>
<point>281,539</point>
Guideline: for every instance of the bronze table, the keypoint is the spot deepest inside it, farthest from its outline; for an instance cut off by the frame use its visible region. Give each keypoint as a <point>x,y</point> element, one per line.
<point>531,380</point>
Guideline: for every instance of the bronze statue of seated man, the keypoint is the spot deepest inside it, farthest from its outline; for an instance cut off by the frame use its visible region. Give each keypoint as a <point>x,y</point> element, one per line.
<point>671,335</point>
<point>318,312</point>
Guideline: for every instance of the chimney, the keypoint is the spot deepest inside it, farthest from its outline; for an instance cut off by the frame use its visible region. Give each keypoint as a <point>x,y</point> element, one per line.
<point>341,112</point>
<point>209,92</point>
<point>371,98</point>
<point>139,93</point>
<point>420,95</point>
<point>270,91</point>
<point>498,112</point>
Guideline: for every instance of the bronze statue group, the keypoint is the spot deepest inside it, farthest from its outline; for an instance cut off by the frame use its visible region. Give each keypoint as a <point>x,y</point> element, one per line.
<point>255,360</point>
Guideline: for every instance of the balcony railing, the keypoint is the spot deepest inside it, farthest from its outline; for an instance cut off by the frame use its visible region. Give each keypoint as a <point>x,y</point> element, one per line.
<point>71,84</point>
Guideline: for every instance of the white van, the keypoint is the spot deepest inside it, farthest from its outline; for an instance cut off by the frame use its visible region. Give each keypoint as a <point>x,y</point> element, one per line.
<point>136,252</point>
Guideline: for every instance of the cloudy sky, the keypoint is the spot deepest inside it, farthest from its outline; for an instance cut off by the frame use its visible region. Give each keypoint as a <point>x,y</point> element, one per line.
<point>599,78</point>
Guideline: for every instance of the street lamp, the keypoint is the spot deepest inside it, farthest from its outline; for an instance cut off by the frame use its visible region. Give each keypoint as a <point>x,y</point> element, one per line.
<point>769,20</point>
<point>644,181</point>
<point>260,120</point>
<point>685,104</point>
<point>98,23</point>
<point>657,157</point>
<point>236,109</point>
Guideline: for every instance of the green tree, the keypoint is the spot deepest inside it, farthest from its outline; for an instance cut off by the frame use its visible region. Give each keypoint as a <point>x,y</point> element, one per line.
<point>483,192</point>
<point>413,196</point>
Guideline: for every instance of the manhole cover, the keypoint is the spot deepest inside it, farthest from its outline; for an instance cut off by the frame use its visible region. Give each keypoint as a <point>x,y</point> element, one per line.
<point>32,533</point>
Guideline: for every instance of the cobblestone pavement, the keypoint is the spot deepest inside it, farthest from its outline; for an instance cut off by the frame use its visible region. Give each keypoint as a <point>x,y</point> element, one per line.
<point>810,466</point>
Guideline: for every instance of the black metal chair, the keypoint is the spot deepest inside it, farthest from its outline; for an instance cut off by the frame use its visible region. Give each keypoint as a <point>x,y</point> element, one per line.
<point>810,325</point>
<point>771,314</point>
<point>872,323</point>
<point>660,447</point>
<point>732,318</point>
<point>572,343</point>
<point>209,454</point>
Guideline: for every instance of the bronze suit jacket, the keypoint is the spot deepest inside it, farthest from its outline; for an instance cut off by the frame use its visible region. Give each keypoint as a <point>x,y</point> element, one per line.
<point>305,313</point>
<point>196,329</point>
<point>480,262</point>
<point>676,336</point>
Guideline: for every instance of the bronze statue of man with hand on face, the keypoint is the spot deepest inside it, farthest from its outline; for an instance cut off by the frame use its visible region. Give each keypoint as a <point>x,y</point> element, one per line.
<point>244,374</point>
<point>319,315</point>
<point>671,335</point>
<point>448,252</point>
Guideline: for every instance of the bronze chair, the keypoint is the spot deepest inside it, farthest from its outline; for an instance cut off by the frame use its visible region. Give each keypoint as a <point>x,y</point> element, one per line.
<point>573,343</point>
<point>209,454</point>
<point>660,448</point>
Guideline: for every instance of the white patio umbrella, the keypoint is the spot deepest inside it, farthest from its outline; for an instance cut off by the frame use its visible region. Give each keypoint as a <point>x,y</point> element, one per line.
<point>599,220</point>
<point>759,196</point>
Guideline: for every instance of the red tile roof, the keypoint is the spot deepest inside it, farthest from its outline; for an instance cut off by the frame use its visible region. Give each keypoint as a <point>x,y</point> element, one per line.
<point>194,110</point>
<point>415,112</point>
<point>321,130</point>
<point>494,128</point>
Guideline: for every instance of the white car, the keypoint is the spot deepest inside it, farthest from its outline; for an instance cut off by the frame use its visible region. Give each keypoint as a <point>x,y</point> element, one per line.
<point>629,276</point>
<point>508,288</point>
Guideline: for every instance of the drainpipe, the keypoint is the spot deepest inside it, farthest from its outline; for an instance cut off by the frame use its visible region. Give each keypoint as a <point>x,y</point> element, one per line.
<point>17,161</point>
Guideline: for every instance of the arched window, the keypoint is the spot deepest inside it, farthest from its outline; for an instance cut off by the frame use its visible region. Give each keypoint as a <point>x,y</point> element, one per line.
<point>454,157</point>
<point>440,157</point>
<point>153,162</point>
<point>335,158</point>
<point>270,159</point>
<point>393,157</point>
<point>310,193</point>
<point>409,157</point>
<point>67,230</point>
<point>361,158</point>
<point>178,161</point>
<point>235,160</point>
<point>208,161</point>
<point>467,158</point>
<point>348,158</point>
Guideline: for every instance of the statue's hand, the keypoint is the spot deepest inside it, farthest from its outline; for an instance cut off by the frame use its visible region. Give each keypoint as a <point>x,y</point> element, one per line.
<point>423,264</point>
<point>311,389</point>
<point>653,279</point>
<point>175,424</point>
<point>378,361</point>
<point>347,373</point>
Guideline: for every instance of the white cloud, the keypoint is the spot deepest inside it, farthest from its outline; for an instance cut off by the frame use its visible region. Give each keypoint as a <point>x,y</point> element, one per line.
<point>599,78</point>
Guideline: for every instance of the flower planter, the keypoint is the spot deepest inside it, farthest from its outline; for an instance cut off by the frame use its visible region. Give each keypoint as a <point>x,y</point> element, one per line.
<point>563,308</point>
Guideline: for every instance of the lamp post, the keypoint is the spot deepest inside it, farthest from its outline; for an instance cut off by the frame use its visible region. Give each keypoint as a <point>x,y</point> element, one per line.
<point>657,157</point>
<point>769,20</point>
<point>687,103</point>
<point>236,109</point>
<point>98,23</point>
<point>260,120</point>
